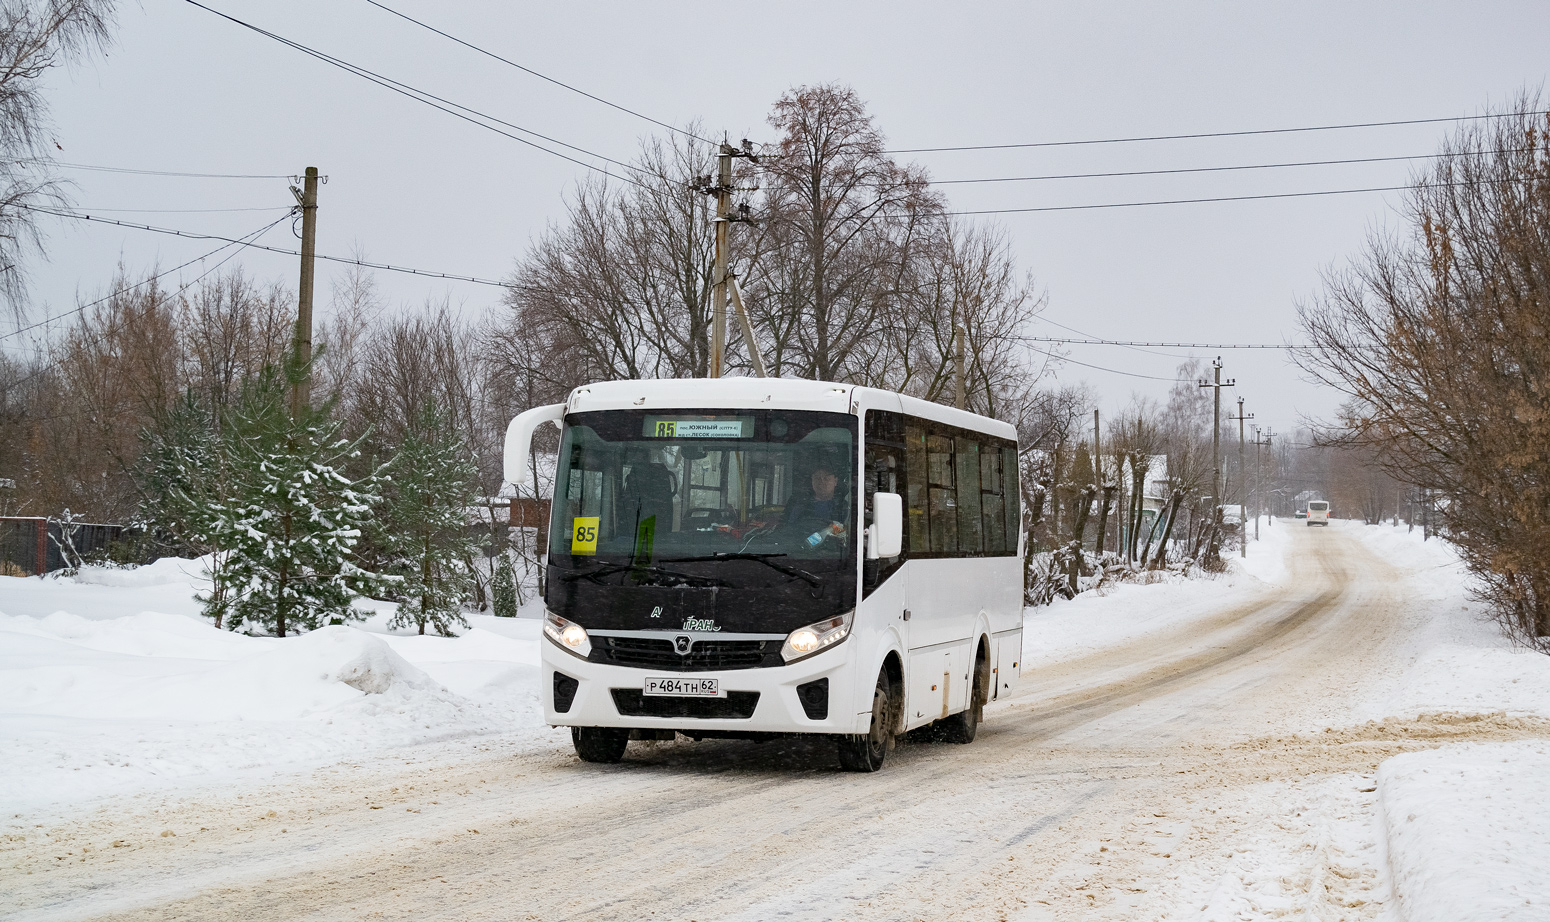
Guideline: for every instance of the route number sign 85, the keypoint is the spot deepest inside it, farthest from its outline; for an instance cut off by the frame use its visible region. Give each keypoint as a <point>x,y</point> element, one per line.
<point>583,538</point>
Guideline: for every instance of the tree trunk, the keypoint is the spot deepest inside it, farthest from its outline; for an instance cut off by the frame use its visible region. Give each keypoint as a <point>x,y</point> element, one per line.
<point>1084,505</point>
<point>1103,518</point>
<point>1161,554</point>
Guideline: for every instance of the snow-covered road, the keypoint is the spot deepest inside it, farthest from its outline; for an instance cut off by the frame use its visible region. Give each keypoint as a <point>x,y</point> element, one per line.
<point>1220,766</point>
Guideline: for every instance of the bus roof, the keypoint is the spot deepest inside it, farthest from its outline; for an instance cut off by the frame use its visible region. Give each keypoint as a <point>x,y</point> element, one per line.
<point>764,393</point>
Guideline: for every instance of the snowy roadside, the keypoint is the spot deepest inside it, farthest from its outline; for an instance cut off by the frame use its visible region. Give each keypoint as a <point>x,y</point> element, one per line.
<point>111,683</point>
<point>1117,614</point>
<point>1466,826</point>
<point>1468,830</point>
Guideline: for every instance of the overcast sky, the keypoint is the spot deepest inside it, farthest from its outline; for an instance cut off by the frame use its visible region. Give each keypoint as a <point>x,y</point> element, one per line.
<point>184,90</point>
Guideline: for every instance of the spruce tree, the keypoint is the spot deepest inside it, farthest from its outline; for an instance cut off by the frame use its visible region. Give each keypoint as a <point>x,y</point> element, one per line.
<point>295,516</point>
<point>424,524</point>
<point>186,490</point>
<point>503,586</point>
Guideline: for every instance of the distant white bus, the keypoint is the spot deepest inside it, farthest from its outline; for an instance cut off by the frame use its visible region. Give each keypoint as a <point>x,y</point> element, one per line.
<point>749,557</point>
<point>1318,512</point>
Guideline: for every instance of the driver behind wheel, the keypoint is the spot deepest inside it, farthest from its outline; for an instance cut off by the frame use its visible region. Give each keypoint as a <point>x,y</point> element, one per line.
<point>820,515</point>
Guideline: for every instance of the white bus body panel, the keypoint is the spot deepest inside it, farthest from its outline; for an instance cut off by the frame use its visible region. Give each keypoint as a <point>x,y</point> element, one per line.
<point>953,603</point>
<point>778,710</point>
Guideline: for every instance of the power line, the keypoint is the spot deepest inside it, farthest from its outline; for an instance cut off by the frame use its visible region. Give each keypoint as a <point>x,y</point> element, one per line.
<point>1187,201</point>
<point>96,337</point>
<point>1118,342</point>
<point>86,210</point>
<point>1209,134</point>
<point>1116,371</point>
<point>529,70</point>
<point>472,116</point>
<point>137,172</point>
<point>241,241</point>
<point>426,273</point>
<point>1200,169</point>
<point>1072,329</point>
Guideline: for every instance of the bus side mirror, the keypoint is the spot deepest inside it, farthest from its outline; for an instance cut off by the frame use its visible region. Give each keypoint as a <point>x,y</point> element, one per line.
<point>887,531</point>
<point>519,440</point>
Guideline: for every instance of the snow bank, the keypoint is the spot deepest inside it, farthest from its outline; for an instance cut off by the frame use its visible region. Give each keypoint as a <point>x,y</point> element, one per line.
<point>112,683</point>
<point>1119,612</point>
<point>157,573</point>
<point>1266,560</point>
<point>1115,614</point>
<point>1468,831</point>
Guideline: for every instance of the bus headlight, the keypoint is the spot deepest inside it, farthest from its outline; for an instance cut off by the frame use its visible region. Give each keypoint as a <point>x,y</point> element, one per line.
<point>806,641</point>
<point>570,636</point>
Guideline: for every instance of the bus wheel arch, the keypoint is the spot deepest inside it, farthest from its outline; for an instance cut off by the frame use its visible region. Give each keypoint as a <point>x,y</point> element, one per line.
<point>963,726</point>
<point>893,666</point>
<point>865,752</point>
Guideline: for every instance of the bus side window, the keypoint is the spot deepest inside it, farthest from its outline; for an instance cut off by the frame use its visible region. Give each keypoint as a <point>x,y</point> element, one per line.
<point>991,501</point>
<point>942,494</point>
<point>970,528</point>
<point>918,529</point>
<point>884,456</point>
<point>1012,493</point>
<point>884,472</point>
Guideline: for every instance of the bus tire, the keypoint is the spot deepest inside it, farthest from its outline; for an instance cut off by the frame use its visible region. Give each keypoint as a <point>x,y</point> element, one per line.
<point>963,726</point>
<point>599,744</point>
<point>865,752</point>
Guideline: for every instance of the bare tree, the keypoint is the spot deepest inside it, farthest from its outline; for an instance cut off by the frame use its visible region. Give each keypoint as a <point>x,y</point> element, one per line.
<point>35,35</point>
<point>353,307</point>
<point>840,224</point>
<point>229,329</point>
<point>1136,438</point>
<point>1438,337</point>
<point>966,277</point>
<point>622,288</point>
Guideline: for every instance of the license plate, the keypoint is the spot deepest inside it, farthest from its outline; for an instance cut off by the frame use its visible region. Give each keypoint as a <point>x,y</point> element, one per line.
<point>684,688</point>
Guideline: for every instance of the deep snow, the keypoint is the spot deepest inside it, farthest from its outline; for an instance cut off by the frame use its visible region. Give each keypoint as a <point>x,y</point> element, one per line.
<point>112,684</point>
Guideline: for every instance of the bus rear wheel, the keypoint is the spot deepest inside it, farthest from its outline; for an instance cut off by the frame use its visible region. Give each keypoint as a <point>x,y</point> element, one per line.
<point>865,752</point>
<point>599,744</point>
<point>964,726</point>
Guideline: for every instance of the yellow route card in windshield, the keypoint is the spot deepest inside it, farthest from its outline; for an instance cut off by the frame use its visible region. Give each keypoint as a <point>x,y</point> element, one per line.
<point>583,537</point>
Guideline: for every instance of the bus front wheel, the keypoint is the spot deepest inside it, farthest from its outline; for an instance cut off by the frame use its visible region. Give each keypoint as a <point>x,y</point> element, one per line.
<point>599,744</point>
<point>865,752</point>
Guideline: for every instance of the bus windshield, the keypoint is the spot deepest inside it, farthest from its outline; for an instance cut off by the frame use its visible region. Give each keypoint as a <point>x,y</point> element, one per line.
<point>665,490</point>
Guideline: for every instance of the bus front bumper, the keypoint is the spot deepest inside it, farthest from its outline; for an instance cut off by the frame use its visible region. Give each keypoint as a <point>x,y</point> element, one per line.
<point>772,698</point>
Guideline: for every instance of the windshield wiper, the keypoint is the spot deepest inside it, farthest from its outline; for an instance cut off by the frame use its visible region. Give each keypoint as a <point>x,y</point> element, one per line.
<point>611,568</point>
<point>803,575</point>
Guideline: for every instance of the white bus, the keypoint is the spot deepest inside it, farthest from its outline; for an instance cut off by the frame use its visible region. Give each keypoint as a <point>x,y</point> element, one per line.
<point>756,557</point>
<point>1318,512</point>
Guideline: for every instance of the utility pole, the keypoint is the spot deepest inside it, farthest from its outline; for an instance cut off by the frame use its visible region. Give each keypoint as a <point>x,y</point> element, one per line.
<point>1243,544</point>
<point>1097,453</point>
<point>1258,493</point>
<point>1216,385</point>
<point>722,189</point>
<point>1269,434</point>
<point>307,200</point>
<point>1098,482</point>
<point>718,322</point>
